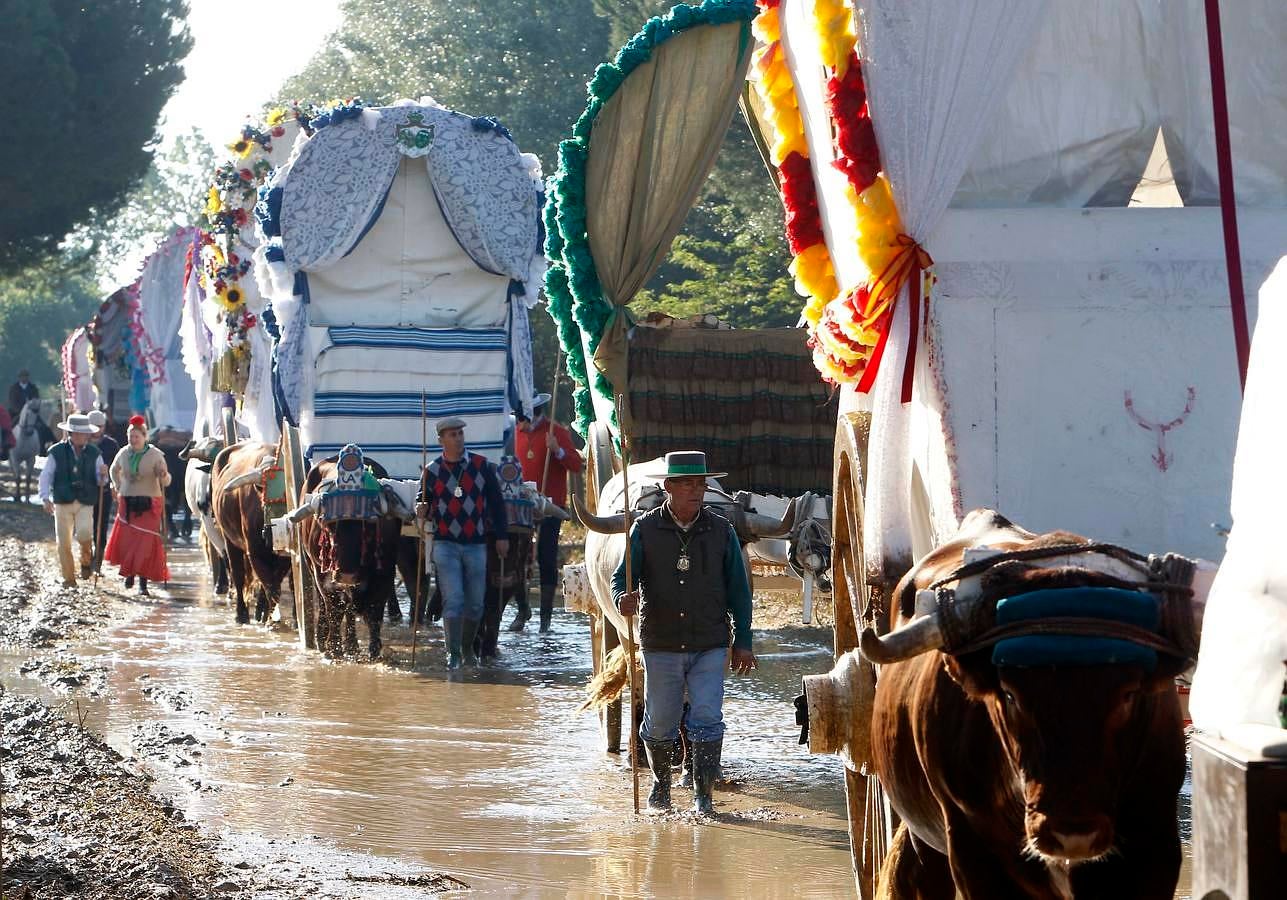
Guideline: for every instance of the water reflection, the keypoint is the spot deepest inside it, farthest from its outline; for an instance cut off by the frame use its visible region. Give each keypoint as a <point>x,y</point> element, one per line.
<point>491,776</point>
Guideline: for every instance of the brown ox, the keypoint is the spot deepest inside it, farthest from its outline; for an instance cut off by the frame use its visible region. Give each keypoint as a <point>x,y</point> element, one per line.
<point>1053,781</point>
<point>354,562</point>
<point>239,513</point>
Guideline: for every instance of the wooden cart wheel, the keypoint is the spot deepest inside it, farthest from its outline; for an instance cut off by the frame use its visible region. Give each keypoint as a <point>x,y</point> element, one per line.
<point>854,610</point>
<point>291,456</point>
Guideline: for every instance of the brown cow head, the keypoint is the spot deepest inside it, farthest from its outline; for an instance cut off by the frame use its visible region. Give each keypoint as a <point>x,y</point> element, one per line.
<point>1070,734</point>
<point>1071,729</point>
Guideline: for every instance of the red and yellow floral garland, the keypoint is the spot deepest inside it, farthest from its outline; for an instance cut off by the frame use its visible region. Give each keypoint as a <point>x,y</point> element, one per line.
<point>848,330</point>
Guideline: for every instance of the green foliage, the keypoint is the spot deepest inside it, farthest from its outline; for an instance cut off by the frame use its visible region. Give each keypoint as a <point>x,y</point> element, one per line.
<point>171,195</point>
<point>84,86</point>
<point>524,61</point>
<point>39,307</point>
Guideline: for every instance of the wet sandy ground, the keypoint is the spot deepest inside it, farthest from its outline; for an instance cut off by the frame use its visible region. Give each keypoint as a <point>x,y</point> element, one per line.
<point>290,776</point>
<point>345,768</point>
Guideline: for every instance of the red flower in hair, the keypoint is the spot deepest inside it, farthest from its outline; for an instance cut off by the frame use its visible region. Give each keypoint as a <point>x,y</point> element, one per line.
<point>137,421</point>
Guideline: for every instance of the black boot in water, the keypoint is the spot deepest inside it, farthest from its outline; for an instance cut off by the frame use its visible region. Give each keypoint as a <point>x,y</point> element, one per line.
<point>706,756</point>
<point>143,587</point>
<point>547,606</point>
<point>522,614</point>
<point>659,756</point>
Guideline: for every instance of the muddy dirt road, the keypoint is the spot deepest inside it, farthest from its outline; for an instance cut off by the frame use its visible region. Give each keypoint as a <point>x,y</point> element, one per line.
<point>290,776</point>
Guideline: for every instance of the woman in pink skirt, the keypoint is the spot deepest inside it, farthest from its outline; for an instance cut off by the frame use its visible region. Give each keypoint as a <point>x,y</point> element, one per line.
<point>139,479</point>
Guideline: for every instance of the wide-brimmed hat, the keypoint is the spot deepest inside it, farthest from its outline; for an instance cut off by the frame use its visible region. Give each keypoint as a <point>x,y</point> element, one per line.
<point>77,423</point>
<point>540,400</point>
<point>450,422</point>
<point>683,463</point>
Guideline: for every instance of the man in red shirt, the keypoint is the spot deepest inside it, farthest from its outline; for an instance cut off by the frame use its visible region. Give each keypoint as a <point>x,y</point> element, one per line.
<point>534,443</point>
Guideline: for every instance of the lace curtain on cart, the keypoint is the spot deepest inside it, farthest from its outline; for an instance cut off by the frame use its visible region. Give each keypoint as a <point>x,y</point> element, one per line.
<point>935,74</point>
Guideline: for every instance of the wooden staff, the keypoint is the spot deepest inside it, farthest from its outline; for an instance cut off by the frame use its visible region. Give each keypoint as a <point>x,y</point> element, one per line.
<point>630,620</point>
<point>98,531</point>
<point>420,534</point>
<point>554,401</point>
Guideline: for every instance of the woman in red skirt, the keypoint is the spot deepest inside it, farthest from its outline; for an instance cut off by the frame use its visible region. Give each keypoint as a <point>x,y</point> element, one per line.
<point>139,479</point>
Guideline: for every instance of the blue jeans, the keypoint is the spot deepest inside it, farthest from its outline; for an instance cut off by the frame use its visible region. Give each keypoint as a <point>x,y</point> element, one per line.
<point>666,675</point>
<point>462,578</point>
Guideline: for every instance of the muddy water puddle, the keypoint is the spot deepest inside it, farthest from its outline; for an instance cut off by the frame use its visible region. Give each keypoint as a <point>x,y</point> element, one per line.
<point>491,776</point>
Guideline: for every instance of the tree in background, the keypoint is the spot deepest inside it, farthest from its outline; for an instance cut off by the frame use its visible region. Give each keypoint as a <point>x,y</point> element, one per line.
<point>44,302</point>
<point>84,84</point>
<point>170,195</point>
<point>39,306</point>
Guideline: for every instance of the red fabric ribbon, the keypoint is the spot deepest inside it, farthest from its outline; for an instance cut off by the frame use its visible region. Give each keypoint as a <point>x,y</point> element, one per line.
<point>910,262</point>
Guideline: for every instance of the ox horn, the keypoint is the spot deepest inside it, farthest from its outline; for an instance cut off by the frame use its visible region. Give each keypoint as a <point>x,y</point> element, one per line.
<point>602,524</point>
<point>769,527</point>
<point>923,633</point>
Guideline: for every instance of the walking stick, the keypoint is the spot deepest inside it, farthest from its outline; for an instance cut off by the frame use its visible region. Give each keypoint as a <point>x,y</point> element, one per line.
<point>97,558</point>
<point>630,620</point>
<point>420,536</point>
<point>554,402</point>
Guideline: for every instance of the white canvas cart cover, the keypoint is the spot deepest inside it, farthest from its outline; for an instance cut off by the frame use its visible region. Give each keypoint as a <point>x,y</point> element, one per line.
<point>172,397</point>
<point>396,268</point>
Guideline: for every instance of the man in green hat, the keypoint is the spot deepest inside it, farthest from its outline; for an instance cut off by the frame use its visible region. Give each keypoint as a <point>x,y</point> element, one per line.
<point>692,579</point>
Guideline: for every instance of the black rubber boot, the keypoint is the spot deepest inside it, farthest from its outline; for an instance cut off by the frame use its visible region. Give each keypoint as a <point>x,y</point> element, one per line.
<point>469,630</point>
<point>452,630</point>
<point>705,770</point>
<point>659,756</point>
<point>522,614</point>
<point>547,606</point>
<point>143,587</point>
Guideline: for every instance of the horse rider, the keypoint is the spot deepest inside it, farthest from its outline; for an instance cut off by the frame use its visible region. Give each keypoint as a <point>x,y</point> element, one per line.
<point>691,578</point>
<point>22,391</point>
<point>536,442</point>
<point>460,495</point>
<point>139,479</point>
<point>69,488</point>
<point>107,449</point>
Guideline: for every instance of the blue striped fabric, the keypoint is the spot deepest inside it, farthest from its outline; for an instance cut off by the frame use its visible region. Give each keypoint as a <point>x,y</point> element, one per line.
<point>388,404</point>
<point>321,451</point>
<point>471,340</point>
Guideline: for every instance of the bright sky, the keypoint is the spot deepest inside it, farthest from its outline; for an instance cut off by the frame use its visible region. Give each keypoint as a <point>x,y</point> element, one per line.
<point>242,52</point>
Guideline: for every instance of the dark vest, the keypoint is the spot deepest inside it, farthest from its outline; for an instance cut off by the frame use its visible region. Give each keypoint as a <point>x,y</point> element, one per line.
<point>75,479</point>
<point>683,612</point>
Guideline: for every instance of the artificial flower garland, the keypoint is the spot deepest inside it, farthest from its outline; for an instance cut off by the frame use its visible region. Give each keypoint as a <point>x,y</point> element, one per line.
<point>229,212</point>
<point>848,330</point>
<point>574,294</point>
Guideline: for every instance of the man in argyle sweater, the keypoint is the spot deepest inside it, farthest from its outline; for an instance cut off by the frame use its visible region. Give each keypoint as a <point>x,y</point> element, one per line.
<point>460,497</point>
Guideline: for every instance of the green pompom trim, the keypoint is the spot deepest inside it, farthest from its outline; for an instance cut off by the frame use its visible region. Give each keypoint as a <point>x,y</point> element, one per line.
<point>572,286</point>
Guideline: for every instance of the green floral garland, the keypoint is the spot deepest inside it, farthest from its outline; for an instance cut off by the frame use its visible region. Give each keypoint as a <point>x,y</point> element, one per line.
<point>572,288</point>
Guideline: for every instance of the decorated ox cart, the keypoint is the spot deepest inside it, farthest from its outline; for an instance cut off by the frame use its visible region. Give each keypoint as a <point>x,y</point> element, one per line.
<point>393,298</point>
<point>1002,330</point>
<point>1002,335</point>
<point>126,360</point>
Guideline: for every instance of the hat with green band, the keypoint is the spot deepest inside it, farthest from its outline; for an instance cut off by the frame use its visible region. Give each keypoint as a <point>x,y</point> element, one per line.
<point>683,463</point>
